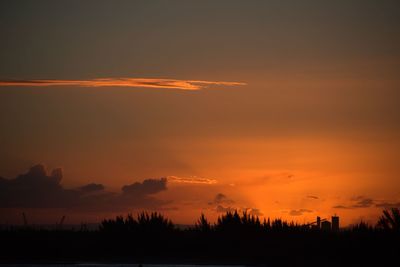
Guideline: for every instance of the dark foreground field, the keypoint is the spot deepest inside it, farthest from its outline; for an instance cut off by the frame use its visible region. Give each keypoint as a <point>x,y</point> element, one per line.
<point>234,239</point>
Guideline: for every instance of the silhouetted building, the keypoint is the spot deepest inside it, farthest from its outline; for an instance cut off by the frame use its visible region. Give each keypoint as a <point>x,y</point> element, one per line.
<point>318,222</point>
<point>335,223</point>
<point>326,225</point>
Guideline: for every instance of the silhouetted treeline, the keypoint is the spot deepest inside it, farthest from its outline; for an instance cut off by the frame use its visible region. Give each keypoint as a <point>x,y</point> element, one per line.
<point>236,238</point>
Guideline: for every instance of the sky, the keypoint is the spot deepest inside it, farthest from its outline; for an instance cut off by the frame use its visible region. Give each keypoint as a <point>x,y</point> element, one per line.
<point>284,109</point>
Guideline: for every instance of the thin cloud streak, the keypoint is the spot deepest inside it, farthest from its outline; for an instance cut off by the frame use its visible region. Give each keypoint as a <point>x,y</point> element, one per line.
<point>122,82</point>
<point>192,180</point>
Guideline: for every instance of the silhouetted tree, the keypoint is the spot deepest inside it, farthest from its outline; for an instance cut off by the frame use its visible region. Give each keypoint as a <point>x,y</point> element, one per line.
<point>390,220</point>
<point>267,224</point>
<point>361,227</point>
<point>145,222</point>
<point>154,222</point>
<point>202,224</point>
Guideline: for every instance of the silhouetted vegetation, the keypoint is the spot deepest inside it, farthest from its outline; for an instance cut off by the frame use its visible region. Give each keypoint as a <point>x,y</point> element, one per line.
<point>235,238</point>
<point>390,220</point>
<point>145,223</point>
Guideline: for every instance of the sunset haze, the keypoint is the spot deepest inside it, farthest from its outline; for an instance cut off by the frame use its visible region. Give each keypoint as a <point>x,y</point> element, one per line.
<point>283,109</point>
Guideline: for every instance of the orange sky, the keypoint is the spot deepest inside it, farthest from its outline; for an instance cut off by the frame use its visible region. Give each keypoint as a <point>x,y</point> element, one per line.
<point>288,110</point>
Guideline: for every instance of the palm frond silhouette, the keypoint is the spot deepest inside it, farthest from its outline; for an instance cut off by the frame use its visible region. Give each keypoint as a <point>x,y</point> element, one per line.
<point>390,220</point>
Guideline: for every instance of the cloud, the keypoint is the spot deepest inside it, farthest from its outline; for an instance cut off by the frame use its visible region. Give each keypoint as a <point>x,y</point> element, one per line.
<point>357,202</point>
<point>299,212</point>
<point>254,211</point>
<point>221,199</point>
<point>313,197</point>
<point>222,209</point>
<point>222,204</point>
<point>341,207</point>
<point>191,180</point>
<point>388,205</point>
<point>250,211</point>
<point>122,82</point>
<point>37,189</point>
<point>366,202</point>
<point>362,202</point>
<point>140,195</point>
<point>90,188</point>
<point>147,187</point>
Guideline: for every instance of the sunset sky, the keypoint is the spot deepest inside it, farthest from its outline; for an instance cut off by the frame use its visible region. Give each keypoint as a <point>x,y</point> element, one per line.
<point>287,109</point>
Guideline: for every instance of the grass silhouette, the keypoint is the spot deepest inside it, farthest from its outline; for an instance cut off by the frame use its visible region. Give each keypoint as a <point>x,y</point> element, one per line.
<point>235,238</point>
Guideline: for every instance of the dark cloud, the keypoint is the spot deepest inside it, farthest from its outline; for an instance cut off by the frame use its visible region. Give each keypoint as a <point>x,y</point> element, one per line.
<point>148,187</point>
<point>362,202</point>
<point>140,195</point>
<point>299,212</point>
<point>341,207</point>
<point>250,211</point>
<point>221,199</point>
<point>366,202</point>
<point>357,202</point>
<point>388,205</point>
<point>223,204</point>
<point>254,211</point>
<point>90,188</point>
<point>37,189</point>
<point>222,209</point>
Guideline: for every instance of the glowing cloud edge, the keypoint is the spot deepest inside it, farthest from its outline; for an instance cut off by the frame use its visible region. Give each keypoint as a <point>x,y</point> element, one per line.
<point>122,82</point>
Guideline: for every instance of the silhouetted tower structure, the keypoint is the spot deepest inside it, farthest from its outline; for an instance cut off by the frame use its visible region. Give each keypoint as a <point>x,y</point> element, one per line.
<point>335,223</point>
<point>60,224</point>
<point>326,226</point>
<point>318,222</point>
<point>25,219</point>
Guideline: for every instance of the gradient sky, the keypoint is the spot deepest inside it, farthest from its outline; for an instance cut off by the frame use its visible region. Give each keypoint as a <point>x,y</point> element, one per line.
<point>314,128</point>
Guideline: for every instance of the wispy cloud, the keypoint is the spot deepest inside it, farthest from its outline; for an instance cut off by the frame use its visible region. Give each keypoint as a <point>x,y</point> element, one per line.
<point>357,202</point>
<point>191,180</point>
<point>123,82</point>
<point>299,212</point>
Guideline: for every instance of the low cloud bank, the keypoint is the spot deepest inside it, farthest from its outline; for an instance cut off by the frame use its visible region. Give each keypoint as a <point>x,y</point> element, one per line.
<point>38,189</point>
<point>367,202</point>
